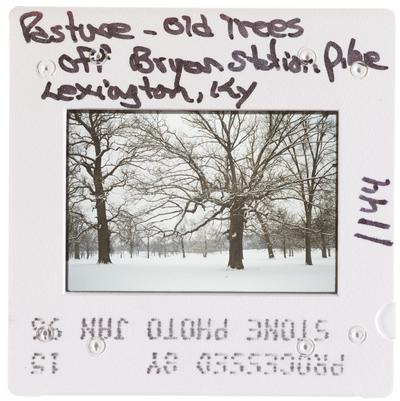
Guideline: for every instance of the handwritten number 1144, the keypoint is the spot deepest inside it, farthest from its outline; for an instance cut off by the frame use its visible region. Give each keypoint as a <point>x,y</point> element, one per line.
<point>373,203</point>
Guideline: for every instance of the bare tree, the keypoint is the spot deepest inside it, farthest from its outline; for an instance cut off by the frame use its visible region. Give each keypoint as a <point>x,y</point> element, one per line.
<point>77,226</point>
<point>127,231</point>
<point>217,169</point>
<point>312,163</point>
<point>262,229</point>
<point>325,221</point>
<point>99,150</point>
<point>88,241</point>
<point>276,227</point>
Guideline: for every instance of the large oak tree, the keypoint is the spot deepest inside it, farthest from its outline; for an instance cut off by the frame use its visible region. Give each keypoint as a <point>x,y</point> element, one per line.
<point>216,166</point>
<point>100,149</point>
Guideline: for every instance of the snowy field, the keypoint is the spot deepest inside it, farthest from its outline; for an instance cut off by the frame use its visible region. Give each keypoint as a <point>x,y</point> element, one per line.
<point>195,273</point>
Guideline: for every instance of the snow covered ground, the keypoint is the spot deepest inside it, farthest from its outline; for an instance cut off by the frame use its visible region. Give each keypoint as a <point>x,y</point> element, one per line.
<point>195,273</point>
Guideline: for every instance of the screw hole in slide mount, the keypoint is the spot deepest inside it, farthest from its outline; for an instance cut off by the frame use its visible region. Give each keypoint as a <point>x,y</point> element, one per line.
<point>307,56</point>
<point>46,68</point>
<point>359,69</point>
<point>99,56</point>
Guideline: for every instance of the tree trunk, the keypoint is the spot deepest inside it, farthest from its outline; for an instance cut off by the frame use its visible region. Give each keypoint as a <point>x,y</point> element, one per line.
<point>270,250</point>
<point>205,250</point>
<point>284,248</point>
<point>183,248</point>
<point>236,236</point>
<point>131,249</point>
<point>77,252</point>
<point>307,243</point>
<point>266,235</point>
<point>148,247</point>
<point>307,237</point>
<point>329,251</point>
<point>103,233</point>
<point>323,246</point>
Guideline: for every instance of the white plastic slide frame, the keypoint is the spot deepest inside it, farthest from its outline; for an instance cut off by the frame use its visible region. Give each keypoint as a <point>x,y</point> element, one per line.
<point>335,342</point>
